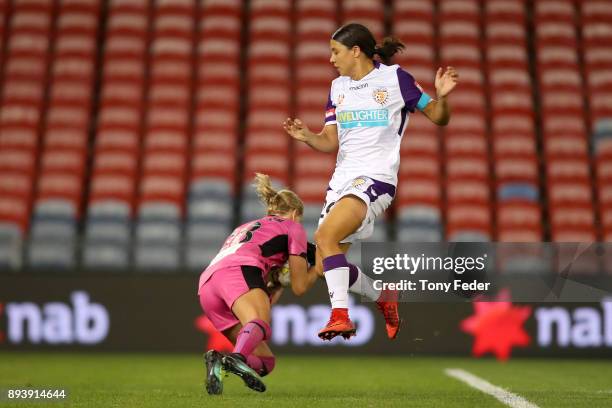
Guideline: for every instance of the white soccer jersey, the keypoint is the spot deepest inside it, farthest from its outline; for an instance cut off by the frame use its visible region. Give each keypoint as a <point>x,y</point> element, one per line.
<point>371,115</point>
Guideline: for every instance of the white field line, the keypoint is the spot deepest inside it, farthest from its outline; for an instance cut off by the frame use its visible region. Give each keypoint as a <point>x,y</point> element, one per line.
<point>505,397</point>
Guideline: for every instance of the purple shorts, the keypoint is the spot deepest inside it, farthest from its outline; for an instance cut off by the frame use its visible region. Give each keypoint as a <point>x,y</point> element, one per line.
<point>220,291</point>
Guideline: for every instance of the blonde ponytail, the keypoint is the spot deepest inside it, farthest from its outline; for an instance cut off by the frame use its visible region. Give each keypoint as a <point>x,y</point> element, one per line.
<point>276,202</point>
<point>264,188</point>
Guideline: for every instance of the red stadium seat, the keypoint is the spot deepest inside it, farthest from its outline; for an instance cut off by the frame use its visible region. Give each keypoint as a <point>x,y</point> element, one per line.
<point>63,160</point>
<point>567,123</point>
<point>468,122</point>
<point>570,170</point>
<point>419,142</point>
<point>503,30</point>
<point>427,166</point>
<point>518,215</point>
<point>270,51</point>
<point>574,235</point>
<point>603,170</point>
<point>15,210</point>
<point>604,193</point>
<point>470,217</point>
<point>310,163</point>
<point>419,190</point>
<point>18,159</point>
<point>565,145</point>
<point>206,165</point>
<point>162,188</point>
<point>268,97</point>
<point>64,186</point>
<point>554,10</point>
<point>459,30</point>
<point>569,193</point>
<point>369,13</point>
<point>16,184</point>
<point>459,9</point>
<point>507,55</point>
<point>311,190</point>
<point>313,73</point>
<point>518,145</point>
<point>116,162</point>
<point>221,8</point>
<point>465,144</point>
<point>464,168</point>
<point>510,169</point>
<point>163,162</point>
<point>419,29</point>
<point>273,163</point>
<point>505,10</point>
<point>416,9</point>
<point>519,235</point>
<point>467,192</point>
<point>461,54</point>
<point>605,212</point>
<point>470,99</point>
<point>575,217</point>
<point>513,122</point>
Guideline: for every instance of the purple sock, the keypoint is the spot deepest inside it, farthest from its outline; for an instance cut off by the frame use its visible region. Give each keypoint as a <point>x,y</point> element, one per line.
<point>334,261</point>
<point>253,333</point>
<point>353,274</point>
<point>337,277</point>
<point>262,365</point>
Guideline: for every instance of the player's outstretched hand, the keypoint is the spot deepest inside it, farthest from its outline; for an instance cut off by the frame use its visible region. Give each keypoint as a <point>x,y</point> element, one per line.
<point>296,129</point>
<point>446,81</point>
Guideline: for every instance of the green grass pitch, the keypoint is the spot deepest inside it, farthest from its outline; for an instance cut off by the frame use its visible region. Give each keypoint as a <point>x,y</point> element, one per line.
<point>176,380</point>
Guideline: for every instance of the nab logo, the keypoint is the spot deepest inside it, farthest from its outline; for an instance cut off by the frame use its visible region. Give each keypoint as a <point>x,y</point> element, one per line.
<point>78,322</point>
<point>297,325</point>
<point>583,327</point>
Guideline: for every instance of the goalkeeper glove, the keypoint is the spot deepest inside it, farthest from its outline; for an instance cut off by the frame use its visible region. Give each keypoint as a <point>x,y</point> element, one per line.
<point>311,254</point>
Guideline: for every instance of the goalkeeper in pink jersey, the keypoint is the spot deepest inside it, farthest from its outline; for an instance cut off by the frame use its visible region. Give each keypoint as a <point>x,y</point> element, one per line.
<point>233,290</point>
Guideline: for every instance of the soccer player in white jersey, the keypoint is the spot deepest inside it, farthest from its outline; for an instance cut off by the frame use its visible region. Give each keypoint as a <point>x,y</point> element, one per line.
<point>367,112</point>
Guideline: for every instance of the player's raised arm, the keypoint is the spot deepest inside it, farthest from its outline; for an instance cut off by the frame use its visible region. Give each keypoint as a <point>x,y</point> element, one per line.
<point>438,111</point>
<point>325,141</point>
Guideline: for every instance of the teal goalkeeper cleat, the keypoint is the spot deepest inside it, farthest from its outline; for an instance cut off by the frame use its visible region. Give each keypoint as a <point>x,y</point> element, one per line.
<point>235,363</point>
<point>214,372</point>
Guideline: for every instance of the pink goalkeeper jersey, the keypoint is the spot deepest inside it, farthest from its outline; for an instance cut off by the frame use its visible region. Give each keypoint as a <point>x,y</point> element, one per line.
<point>264,243</point>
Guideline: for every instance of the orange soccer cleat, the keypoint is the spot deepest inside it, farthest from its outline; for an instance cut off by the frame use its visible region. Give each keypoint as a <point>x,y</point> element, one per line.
<point>388,306</point>
<point>339,324</point>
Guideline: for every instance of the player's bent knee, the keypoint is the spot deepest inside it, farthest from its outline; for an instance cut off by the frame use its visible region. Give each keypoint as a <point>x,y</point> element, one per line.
<point>320,238</point>
<point>323,239</point>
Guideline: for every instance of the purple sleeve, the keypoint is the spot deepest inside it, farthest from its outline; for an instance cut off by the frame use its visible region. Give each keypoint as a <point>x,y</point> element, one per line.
<point>412,93</point>
<point>330,112</point>
<point>296,242</point>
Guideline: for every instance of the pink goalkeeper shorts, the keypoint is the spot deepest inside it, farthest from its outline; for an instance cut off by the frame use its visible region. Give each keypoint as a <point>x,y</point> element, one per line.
<point>220,291</point>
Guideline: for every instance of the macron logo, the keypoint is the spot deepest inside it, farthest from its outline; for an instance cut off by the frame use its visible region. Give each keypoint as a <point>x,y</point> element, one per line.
<point>358,87</point>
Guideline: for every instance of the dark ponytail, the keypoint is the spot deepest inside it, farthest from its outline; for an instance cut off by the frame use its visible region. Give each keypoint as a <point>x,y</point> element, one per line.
<point>354,34</point>
<point>389,47</point>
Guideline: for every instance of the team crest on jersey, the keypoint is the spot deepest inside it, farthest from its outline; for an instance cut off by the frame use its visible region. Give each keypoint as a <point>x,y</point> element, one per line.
<point>358,182</point>
<point>380,95</point>
<point>340,99</point>
<point>361,183</point>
